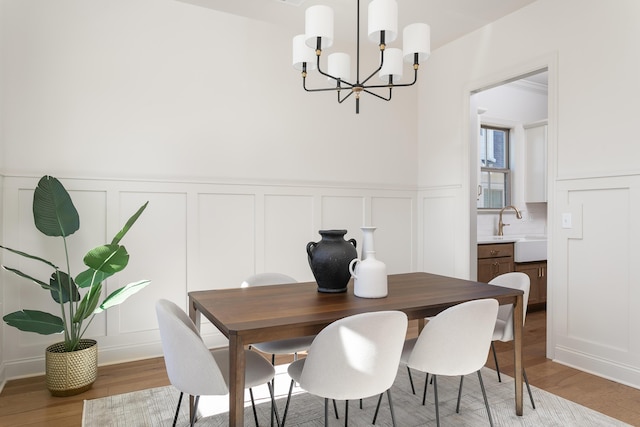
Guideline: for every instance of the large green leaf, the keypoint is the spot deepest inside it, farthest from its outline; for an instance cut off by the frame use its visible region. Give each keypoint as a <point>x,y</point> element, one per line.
<point>26,255</point>
<point>26,276</point>
<point>63,289</point>
<point>91,276</point>
<point>107,258</point>
<point>88,303</point>
<point>53,211</point>
<point>128,225</point>
<point>120,295</point>
<point>35,321</point>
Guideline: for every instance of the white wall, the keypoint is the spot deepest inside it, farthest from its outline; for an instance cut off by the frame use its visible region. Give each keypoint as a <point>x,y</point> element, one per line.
<point>163,89</point>
<point>594,169</point>
<point>201,113</point>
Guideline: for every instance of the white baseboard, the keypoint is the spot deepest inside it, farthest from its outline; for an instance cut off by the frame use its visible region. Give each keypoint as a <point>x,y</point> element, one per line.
<point>623,374</point>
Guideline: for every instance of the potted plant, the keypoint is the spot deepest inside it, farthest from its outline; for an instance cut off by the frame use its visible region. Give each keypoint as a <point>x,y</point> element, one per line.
<point>71,365</point>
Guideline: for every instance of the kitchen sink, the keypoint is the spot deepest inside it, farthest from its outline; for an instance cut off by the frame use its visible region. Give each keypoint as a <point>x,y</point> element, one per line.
<point>530,248</point>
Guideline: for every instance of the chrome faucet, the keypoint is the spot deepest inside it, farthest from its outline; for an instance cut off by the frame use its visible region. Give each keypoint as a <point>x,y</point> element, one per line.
<point>501,224</point>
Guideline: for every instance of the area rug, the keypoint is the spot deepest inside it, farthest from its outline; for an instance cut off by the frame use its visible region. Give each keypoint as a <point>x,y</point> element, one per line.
<point>156,406</point>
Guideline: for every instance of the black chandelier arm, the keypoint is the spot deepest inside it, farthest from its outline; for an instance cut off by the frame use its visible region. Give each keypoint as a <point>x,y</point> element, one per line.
<point>326,89</point>
<point>392,85</point>
<point>340,101</point>
<point>377,69</point>
<point>318,53</point>
<point>377,95</point>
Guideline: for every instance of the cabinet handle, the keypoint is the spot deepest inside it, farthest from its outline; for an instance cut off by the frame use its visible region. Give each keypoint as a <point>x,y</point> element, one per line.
<point>494,253</point>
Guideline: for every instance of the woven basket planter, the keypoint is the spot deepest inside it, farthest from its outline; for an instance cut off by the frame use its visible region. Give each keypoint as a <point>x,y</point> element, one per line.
<point>71,372</point>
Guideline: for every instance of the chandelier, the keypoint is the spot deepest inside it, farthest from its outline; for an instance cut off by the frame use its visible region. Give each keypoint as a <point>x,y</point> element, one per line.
<point>382,29</point>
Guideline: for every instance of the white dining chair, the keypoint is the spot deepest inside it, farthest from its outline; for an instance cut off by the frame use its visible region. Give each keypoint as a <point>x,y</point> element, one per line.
<point>503,330</point>
<point>454,343</point>
<point>353,358</point>
<point>193,369</point>
<point>284,346</point>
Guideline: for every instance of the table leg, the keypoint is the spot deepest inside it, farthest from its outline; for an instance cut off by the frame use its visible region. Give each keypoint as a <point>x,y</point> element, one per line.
<point>193,315</point>
<point>421,324</point>
<point>517,351</point>
<point>236,381</point>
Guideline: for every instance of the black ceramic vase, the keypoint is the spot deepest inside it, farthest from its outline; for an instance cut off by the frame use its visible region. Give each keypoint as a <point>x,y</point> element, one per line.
<point>329,260</point>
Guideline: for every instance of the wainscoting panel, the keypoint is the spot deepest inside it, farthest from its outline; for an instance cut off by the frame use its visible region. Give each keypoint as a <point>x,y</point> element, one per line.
<point>157,248</point>
<point>442,228</point>
<point>395,237</point>
<point>224,235</point>
<point>288,227</point>
<point>595,293</point>
<point>192,236</point>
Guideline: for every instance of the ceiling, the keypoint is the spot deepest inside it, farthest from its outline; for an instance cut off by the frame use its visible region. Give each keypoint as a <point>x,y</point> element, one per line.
<point>449,19</point>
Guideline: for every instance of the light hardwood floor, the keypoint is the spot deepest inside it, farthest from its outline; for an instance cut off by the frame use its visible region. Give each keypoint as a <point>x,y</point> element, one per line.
<point>27,403</point>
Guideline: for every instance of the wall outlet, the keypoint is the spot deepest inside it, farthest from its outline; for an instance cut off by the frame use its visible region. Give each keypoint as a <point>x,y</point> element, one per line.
<point>566,220</point>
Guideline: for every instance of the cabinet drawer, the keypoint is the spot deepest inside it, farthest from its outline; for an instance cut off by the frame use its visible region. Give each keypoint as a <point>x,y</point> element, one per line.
<point>495,250</point>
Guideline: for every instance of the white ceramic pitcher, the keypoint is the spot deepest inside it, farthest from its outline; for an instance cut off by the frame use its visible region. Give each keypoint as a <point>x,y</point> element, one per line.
<point>369,274</point>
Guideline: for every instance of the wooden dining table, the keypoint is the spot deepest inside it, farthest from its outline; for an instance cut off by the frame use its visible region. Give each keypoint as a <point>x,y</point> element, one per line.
<point>266,313</point>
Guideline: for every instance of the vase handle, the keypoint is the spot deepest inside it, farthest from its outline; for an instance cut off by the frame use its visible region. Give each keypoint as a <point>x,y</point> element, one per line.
<point>352,267</point>
<point>353,242</point>
<point>310,247</point>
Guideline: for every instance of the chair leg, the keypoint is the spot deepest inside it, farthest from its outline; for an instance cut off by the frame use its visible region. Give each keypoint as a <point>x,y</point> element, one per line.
<point>459,394</point>
<point>274,407</point>
<point>273,387</point>
<point>375,415</point>
<point>335,409</point>
<point>286,406</point>
<point>393,415</point>
<point>326,411</point>
<point>495,359</point>
<point>253,406</point>
<point>413,390</point>
<point>195,410</point>
<point>484,395</point>
<point>526,381</point>
<point>346,413</point>
<point>175,418</point>
<point>426,382</point>
<point>435,394</point>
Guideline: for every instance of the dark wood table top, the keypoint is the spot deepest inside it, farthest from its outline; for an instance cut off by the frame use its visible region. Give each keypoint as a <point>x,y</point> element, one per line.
<point>251,311</point>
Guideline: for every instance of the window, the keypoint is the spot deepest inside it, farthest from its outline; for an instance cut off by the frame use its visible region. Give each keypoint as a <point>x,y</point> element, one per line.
<point>495,177</point>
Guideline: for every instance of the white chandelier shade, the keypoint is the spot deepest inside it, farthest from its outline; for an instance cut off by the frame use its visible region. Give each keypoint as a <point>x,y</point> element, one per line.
<point>416,38</point>
<point>339,65</point>
<point>318,23</point>
<point>303,54</point>
<point>392,66</point>
<point>383,16</point>
<point>382,29</point>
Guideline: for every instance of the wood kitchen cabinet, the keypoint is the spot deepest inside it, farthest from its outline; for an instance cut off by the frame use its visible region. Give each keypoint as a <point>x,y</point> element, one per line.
<point>537,272</point>
<point>494,259</point>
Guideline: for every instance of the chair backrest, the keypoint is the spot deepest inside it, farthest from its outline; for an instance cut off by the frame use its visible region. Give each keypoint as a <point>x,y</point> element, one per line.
<point>263,279</point>
<point>514,280</point>
<point>355,357</point>
<point>456,341</point>
<point>190,366</point>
